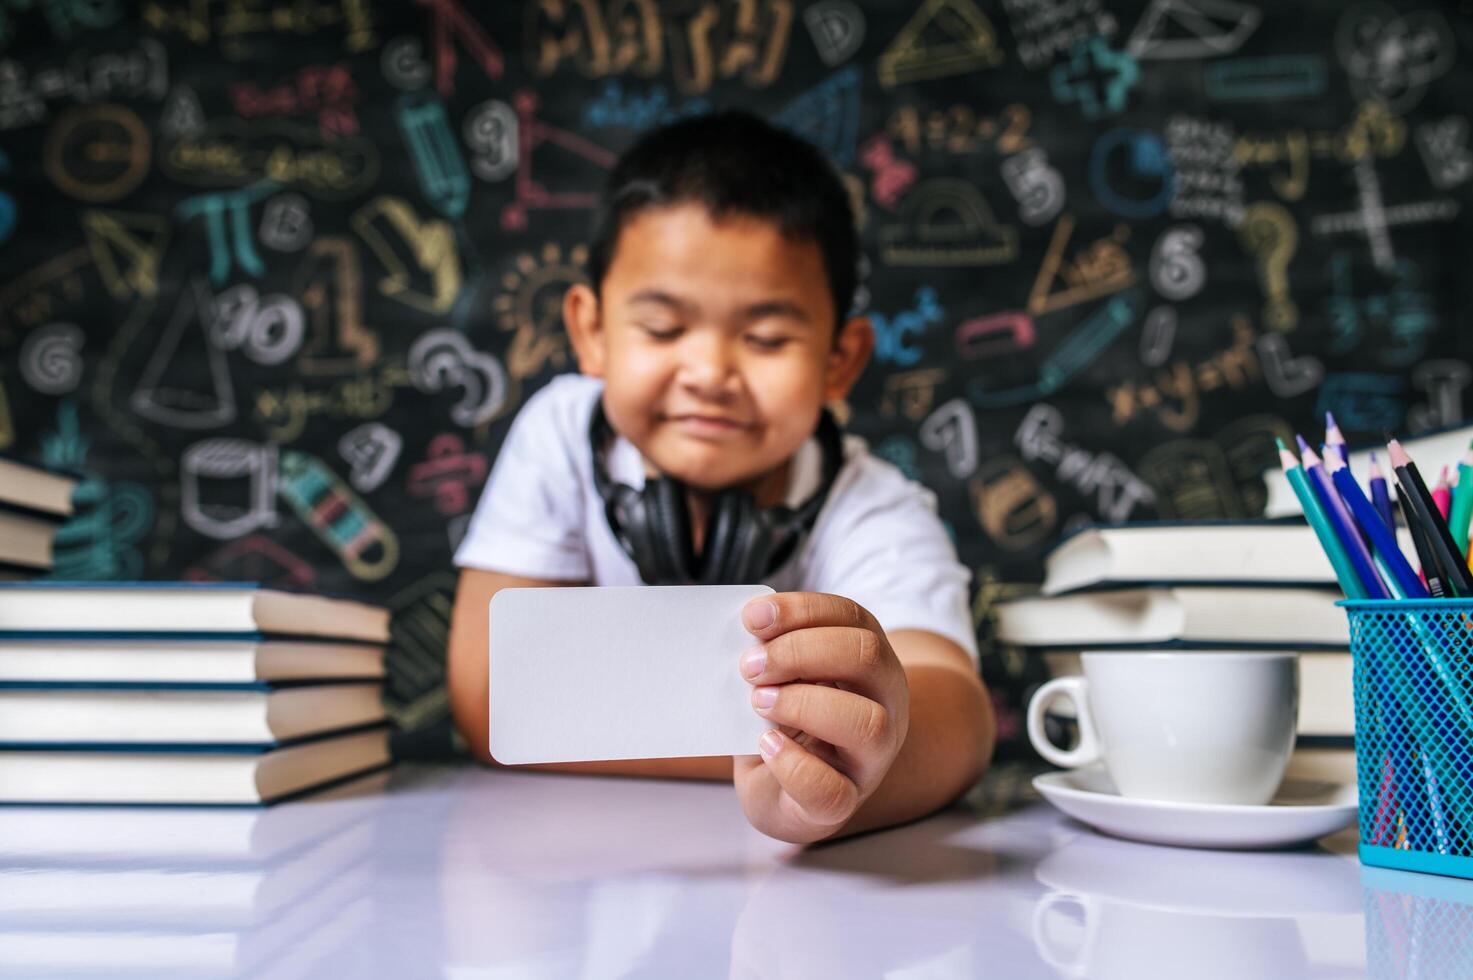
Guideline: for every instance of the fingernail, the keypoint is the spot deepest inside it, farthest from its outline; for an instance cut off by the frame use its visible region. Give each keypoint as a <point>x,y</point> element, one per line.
<point>769,743</point>
<point>754,661</point>
<point>760,615</point>
<point>764,697</point>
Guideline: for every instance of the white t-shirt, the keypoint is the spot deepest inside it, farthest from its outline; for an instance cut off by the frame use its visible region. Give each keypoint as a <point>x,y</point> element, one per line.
<point>877,539</point>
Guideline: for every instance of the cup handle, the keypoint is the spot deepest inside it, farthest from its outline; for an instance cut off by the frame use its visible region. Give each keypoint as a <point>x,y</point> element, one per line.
<point>1071,963</point>
<point>1088,749</point>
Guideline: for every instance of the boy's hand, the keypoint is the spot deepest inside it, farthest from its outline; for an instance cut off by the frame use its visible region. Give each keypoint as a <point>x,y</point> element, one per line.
<point>824,674</point>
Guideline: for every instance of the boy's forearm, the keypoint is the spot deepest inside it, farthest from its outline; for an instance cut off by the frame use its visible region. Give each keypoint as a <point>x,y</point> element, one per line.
<point>946,750</point>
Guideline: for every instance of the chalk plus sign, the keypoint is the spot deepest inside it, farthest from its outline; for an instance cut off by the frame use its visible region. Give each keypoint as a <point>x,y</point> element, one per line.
<point>1095,77</point>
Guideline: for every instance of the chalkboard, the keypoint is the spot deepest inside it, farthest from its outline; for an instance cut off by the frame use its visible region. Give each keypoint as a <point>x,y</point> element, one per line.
<point>276,276</point>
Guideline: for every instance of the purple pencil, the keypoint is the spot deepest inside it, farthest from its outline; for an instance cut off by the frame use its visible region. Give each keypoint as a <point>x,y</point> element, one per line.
<point>1344,525</point>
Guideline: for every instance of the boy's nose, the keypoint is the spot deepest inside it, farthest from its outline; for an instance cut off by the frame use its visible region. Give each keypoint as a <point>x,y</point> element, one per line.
<point>708,366</point>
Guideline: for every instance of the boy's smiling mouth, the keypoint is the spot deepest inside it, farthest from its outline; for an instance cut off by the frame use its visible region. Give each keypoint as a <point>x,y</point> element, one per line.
<point>707,425</point>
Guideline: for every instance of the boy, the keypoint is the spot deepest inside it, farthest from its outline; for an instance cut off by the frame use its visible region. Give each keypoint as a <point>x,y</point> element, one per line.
<point>711,335</point>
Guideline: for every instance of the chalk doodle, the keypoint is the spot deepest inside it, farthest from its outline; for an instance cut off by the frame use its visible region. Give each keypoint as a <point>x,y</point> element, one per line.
<point>837,28</point>
<point>891,177</point>
<point>1404,313</point>
<point>367,547</point>
<point>900,452</point>
<point>1038,187</point>
<point>227,487</point>
<point>1363,401</point>
<point>418,633</point>
<point>947,222</point>
<point>943,38</point>
<point>443,359</point>
<point>1209,181</point>
<point>268,329</point>
<point>1177,270</point>
<point>286,223</point>
<point>428,276</point>
<point>283,412</point>
<point>1271,237</point>
<point>959,129</point>
<point>1158,333</point>
<point>1101,269</point>
<point>1174,396</point>
<point>126,249</point>
<point>1188,29</point>
<point>614,107</point>
<point>1287,376</point>
<point>9,212</point>
<point>403,64</point>
<point>97,153</point>
<point>244,27</point>
<point>1374,220</point>
<point>448,474</point>
<point>490,131</point>
<point>533,133</point>
<point>1218,478</point>
<point>256,558</point>
<point>1444,148</point>
<point>172,390</point>
<point>451,23</point>
<point>51,358</point>
<point>324,91</point>
<point>436,155</point>
<point>1011,505</point>
<point>1271,79</point>
<point>911,392</point>
<point>233,209</point>
<point>891,345</point>
<point>995,335</point>
<point>1373,132</point>
<point>1097,78</point>
<point>952,431</point>
<point>1392,58</point>
<point>100,541</point>
<point>139,72</point>
<point>371,450</point>
<point>1116,490</point>
<point>530,307</point>
<point>1045,29</point>
<point>1443,382</point>
<point>182,115</point>
<point>232,153</point>
<point>66,20</point>
<point>1131,173</point>
<point>330,283</point>
<point>1073,354</point>
<point>827,115</point>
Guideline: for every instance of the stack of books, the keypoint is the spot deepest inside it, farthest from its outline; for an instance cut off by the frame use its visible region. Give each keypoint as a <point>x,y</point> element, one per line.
<point>33,503</point>
<point>185,693</point>
<point>1203,585</point>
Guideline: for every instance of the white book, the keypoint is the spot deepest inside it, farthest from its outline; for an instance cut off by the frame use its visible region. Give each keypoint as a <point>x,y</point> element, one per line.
<point>1219,552</point>
<point>25,485</point>
<point>184,607</point>
<point>257,715</point>
<point>1326,691</point>
<point>171,836</point>
<point>185,660</point>
<point>1274,617</point>
<point>85,776</point>
<point>26,539</point>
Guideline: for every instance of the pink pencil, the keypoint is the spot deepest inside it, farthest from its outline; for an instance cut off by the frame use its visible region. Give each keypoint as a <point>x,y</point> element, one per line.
<point>1442,494</point>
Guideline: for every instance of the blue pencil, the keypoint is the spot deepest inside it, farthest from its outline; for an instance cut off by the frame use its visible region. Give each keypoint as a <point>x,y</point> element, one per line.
<point>1380,495</point>
<point>1383,540</point>
<point>1343,523</point>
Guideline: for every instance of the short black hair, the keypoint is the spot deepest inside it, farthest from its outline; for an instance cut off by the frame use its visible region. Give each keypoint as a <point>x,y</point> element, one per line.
<point>734,162</point>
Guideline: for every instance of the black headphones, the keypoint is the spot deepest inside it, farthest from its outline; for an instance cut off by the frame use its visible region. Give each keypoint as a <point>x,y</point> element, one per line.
<point>744,543</point>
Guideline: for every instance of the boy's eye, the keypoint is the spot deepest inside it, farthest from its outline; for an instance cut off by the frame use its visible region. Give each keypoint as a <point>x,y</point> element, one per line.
<point>768,343</point>
<point>660,332</point>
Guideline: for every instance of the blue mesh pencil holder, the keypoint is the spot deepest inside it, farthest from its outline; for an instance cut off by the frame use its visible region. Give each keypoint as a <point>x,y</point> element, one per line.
<point>1414,732</point>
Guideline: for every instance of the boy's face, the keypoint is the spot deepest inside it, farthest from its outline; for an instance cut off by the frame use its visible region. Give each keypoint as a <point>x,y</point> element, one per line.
<point>715,342</point>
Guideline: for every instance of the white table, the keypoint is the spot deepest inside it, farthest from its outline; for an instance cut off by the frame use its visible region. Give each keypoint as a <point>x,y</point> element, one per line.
<point>465,872</point>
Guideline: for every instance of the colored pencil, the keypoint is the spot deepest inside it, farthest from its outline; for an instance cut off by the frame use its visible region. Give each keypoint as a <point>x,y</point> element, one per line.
<point>1345,573</point>
<point>1458,579</point>
<point>1431,573</point>
<point>1339,518</point>
<point>1380,496</point>
<point>1442,496</point>
<point>1462,511</point>
<point>1402,581</point>
<point>1334,438</point>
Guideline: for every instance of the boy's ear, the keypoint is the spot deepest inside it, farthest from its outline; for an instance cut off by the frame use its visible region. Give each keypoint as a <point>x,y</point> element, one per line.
<point>848,357</point>
<point>585,328</point>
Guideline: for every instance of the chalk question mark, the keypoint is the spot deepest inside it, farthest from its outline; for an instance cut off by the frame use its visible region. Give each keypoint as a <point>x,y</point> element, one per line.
<point>1269,234</point>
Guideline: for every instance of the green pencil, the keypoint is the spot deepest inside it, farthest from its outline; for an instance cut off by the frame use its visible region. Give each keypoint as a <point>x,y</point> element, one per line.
<point>1329,540</point>
<point>1462,513</point>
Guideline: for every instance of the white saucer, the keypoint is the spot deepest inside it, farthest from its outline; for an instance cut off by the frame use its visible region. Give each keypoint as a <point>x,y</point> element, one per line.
<point>1301,812</point>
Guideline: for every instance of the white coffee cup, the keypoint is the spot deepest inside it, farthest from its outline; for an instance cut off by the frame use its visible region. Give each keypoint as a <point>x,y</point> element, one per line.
<point>1184,726</point>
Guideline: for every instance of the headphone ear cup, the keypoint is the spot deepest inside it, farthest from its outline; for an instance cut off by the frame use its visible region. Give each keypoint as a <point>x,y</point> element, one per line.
<point>670,531</point>
<point>716,551</point>
<point>737,549</point>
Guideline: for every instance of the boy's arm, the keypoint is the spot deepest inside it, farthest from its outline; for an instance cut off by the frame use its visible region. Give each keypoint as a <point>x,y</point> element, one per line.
<point>950,739</point>
<point>467,666</point>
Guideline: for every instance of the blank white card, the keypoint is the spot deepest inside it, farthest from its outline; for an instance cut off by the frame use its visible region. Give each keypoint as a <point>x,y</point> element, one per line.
<point>638,672</point>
